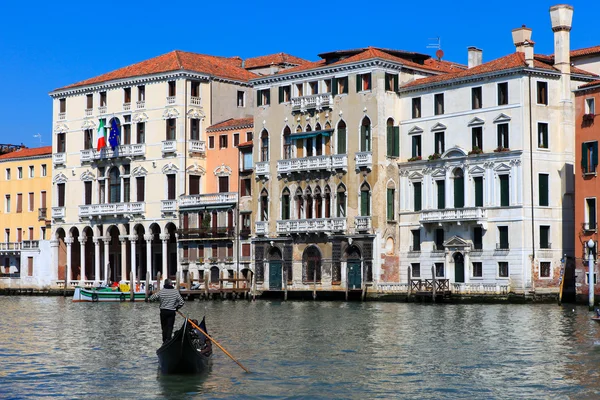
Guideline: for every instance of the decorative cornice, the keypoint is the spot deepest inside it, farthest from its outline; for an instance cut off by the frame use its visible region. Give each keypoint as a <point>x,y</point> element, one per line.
<point>170,113</point>
<point>139,171</point>
<point>195,170</point>
<point>17,159</point>
<point>222,170</point>
<point>60,178</point>
<point>61,128</point>
<point>170,167</point>
<point>195,113</point>
<point>139,117</point>
<point>87,176</point>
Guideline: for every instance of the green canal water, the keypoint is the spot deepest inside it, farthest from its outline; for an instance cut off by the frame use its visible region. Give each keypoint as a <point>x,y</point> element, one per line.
<point>51,347</point>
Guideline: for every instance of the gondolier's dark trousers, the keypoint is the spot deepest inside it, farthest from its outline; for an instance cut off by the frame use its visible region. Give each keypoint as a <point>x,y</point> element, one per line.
<point>167,319</point>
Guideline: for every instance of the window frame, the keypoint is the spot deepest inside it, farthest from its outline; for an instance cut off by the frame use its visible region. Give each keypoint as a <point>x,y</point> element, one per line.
<point>542,93</point>
<point>546,136</point>
<point>476,97</point>
<point>499,271</point>
<point>438,106</point>
<point>500,92</point>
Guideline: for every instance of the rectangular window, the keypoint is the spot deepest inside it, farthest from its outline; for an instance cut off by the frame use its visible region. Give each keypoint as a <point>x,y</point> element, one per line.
<point>416,107</point>
<point>88,139</point>
<point>503,238</point>
<point>314,87</point>
<point>141,93</point>
<point>416,240</point>
<point>590,214</point>
<point>416,146</point>
<point>285,94</point>
<point>542,135</point>
<point>126,95</point>
<point>140,188</point>
<point>300,89</point>
<point>393,141</point>
<point>476,98</point>
<point>195,89</point>
<point>223,184</point>
<point>211,142</point>
<point>31,204</point>
<point>247,161</point>
<point>441,194</point>
<point>246,250</point>
<point>62,105</point>
<point>545,237</point>
<point>172,89</point>
<point>545,268</point>
<point>7,203</point>
<point>364,203</point>
<point>246,188</point>
<point>503,93</point>
<point>417,205</point>
<point>390,205</point>
<point>249,136</point>
<point>19,202</point>
<point>416,270</point>
<point>141,132</point>
<point>477,138</point>
<point>438,104</point>
<point>589,157</point>
<point>171,129</point>
<point>102,99</point>
<point>503,270</point>
<point>126,190</point>
<point>222,141</point>
<point>590,106</point>
<point>241,98</point>
<point>89,101</point>
<point>439,142</point>
<point>43,199</point>
<point>44,171</point>
<point>127,130</point>
<point>341,84</point>
<point>61,142</point>
<point>502,136</point>
<point>19,235</point>
<point>327,84</point>
<point>263,97</point>
<point>61,194</point>
<point>439,240</point>
<point>504,191</point>
<point>439,270</point>
<point>478,182</point>
<point>391,82</point>
<point>477,270</point>
<point>194,129</point>
<point>87,192</point>
<point>477,238</point>
<point>31,171</point>
<point>29,266</point>
<point>543,189</point>
<point>194,184</point>
<point>20,172</point>
<point>171,187</point>
<point>236,139</point>
<point>363,82</point>
<point>341,140</point>
<point>542,93</point>
<point>6,239</point>
<point>8,174</point>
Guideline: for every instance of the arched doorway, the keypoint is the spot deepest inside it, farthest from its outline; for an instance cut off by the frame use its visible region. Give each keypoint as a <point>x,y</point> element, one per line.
<point>114,255</point>
<point>156,251</point>
<point>311,265</point>
<point>459,268</point>
<point>141,262</point>
<point>62,254</point>
<point>354,275</point>
<point>90,253</point>
<point>275,272</point>
<point>75,256</point>
<point>171,251</point>
<point>214,275</point>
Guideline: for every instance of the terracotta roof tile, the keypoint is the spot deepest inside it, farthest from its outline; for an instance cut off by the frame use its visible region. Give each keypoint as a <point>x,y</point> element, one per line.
<point>588,51</point>
<point>444,66</point>
<point>229,68</point>
<point>279,58</point>
<point>22,153</point>
<point>232,124</point>
<point>590,84</point>
<point>246,144</point>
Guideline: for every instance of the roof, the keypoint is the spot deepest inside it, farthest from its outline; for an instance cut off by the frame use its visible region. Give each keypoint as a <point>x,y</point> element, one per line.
<point>232,124</point>
<point>246,144</point>
<point>25,152</point>
<point>587,51</point>
<point>511,61</point>
<point>277,59</point>
<point>222,67</point>
<point>590,84</point>
<point>444,66</point>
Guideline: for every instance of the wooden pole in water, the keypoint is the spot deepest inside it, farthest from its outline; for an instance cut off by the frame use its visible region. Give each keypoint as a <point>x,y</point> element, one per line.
<point>409,282</point>
<point>347,280</point>
<point>284,284</point>
<point>562,278</point>
<point>253,286</point>
<point>147,286</point>
<point>131,287</point>
<point>205,286</point>
<point>315,284</point>
<point>433,282</point>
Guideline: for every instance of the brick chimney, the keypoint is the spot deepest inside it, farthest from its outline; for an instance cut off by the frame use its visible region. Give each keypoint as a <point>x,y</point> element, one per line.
<point>522,41</point>
<point>561,17</point>
<point>475,56</point>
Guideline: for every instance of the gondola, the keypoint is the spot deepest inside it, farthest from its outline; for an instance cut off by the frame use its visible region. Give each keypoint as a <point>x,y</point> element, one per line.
<point>185,354</point>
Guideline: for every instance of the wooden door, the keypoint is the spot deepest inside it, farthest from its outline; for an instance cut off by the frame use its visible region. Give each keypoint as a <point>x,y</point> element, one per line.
<point>354,275</point>
<point>275,275</point>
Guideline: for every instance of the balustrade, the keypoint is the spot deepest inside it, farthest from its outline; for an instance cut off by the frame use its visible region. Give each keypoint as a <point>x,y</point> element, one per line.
<point>99,210</point>
<point>208,199</point>
<point>316,225</point>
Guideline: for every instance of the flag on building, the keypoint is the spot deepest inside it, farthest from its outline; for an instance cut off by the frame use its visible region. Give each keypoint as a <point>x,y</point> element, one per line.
<point>113,138</point>
<point>101,136</point>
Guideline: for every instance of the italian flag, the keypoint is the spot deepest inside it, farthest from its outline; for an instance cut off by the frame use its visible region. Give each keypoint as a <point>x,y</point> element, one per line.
<point>101,135</point>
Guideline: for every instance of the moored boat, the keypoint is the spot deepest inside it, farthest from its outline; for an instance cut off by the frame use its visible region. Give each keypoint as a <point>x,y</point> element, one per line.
<point>105,294</point>
<point>185,353</point>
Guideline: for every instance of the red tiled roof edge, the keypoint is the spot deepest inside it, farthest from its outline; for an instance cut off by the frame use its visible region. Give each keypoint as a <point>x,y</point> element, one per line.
<point>277,58</point>
<point>231,124</point>
<point>26,152</point>
<point>590,85</point>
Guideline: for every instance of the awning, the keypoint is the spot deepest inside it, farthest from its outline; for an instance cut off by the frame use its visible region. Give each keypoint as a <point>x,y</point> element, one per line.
<point>305,135</point>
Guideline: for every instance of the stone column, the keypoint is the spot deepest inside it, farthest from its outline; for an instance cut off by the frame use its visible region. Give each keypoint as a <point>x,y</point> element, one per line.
<point>82,240</point>
<point>96,240</point>
<point>467,252</point>
<point>54,243</point>
<point>132,240</point>
<point>123,240</point>
<point>165,238</point>
<point>69,243</point>
<point>148,239</point>
<point>106,240</point>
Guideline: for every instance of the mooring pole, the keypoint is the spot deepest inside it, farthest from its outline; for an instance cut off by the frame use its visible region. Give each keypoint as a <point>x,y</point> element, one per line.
<point>591,282</point>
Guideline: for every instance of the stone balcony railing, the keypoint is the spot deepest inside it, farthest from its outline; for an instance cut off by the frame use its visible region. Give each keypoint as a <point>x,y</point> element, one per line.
<point>126,106</point>
<point>316,225</point>
<point>171,100</point>
<point>314,163</point>
<point>58,212</point>
<point>262,168</point>
<point>62,115</point>
<point>196,146</point>
<point>168,206</point>
<point>169,146</point>
<point>89,112</point>
<point>339,161</point>
<point>362,223</point>
<point>111,209</point>
<point>10,246</point>
<point>42,213</point>
<point>311,102</point>
<point>124,150</point>
<point>30,244</point>
<point>195,101</point>
<point>363,159</point>
<point>261,227</point>
<point>454,215</point>
<point>59,158</point>
<point>195,200</point>
<point>140,104</point>
<point>102,110</point>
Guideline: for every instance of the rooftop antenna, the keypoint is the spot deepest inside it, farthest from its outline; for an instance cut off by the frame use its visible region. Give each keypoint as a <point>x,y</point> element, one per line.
<point>437,45</point>
<point>39,136</point>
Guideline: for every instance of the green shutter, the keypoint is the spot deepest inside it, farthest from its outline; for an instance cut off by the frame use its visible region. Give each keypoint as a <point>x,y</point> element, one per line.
<point>441,194</point>
<point>584,161</point>
<point>280,94</point>
<point>334,86</point>
<point>595,155</point>
<point>390,141</point>
<point>341,141</point>
<point>358,83</point>
<point>364,203</point>
<point>543,189</point>
<point>417,198</point>
<point>504,191</point>
<point>459,192</point>
<point>395,83</point>
<point>396,141</point>
<point>387,82</point>
<point>346,85</point>
<point>268,97</point>
<point>390,205</point>
<point>363,138</point>
<point>259,97</point>
<point>478,191</point>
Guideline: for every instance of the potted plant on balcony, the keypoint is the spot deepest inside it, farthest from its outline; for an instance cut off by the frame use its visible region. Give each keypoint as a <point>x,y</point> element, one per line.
<point>200,260</point>
<point>212,260</point>
<point>229,259</point>
<point>501,149</point>
<point>476,150</point>
<point>435,156</point>
<point>588,117</point>
<point>417,158</point>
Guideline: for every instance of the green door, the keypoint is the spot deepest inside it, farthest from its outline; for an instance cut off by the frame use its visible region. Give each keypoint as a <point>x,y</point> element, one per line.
<point>354,276</point>
<point>459,268</point>
<point>275,275</point>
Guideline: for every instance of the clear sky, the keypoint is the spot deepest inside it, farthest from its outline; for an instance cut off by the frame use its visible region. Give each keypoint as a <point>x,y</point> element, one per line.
<point>46,45</point>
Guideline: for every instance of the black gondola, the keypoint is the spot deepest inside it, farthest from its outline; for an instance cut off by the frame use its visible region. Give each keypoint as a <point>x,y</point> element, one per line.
<point>186,352</point>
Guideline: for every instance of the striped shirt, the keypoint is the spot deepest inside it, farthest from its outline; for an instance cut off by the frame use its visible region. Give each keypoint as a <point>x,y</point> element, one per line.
<point>170,299</point>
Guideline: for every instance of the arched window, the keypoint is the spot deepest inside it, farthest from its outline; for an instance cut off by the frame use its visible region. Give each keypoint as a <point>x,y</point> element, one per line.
<point>311,265</point>
<point>327,198</point>
<point>287,143</point>
<point>365,135</point>
<point>365,200</point>
<point>298,129</point>
<point>391,198</point>
<point>309,143</point>
<point>298,198</point>
<point>393,139</point>
<point>459,188</point>
<point>318,203</point>
<point>285,204</point>
<point>318,141</point>
<point>114,179</point>
<point>341,138</point>
<point>341,201</point>
<point>264,205</point>
<point>264,145</point>
<point>309,203</point>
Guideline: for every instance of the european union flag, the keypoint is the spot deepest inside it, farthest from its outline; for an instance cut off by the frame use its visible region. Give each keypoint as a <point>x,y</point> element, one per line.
<point>113,138</point>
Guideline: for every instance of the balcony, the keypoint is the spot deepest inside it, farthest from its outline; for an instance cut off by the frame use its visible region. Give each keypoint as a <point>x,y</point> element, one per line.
<point>59,158</point>
<point>168,206</point>
<point>363,159</point>
<point>362,224</point>
<point>339,161</point>
<point>312,102</point>
<point>58,212</point>
<point>455,215</point>
<point>169,146</point>
<point>316,225</point>
<point>206,233</point>
<point>197,146</point>
<point>10,246</point>
<point>110,209</point>
<point>211,199</point>
<point>62,116</point>
<point>502,246</point>
<point>125,150</point>
<point>126,106</point>
<point>262,168</point>
<point>195,101</point>
<point>304,164</point>
<point>30,245</point>
<point>42,213</point>
<point>139,105</point>
<point>89,112</point>
<point>102,110</point>
<point>261,227</point>
<point>171,100</point>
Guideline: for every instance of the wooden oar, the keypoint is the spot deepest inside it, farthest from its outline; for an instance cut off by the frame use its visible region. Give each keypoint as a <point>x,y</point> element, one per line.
<point>213,340</point>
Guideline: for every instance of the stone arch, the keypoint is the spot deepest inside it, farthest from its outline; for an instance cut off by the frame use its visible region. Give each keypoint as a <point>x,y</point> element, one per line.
<point>311,264</point>
<point>172,267</point>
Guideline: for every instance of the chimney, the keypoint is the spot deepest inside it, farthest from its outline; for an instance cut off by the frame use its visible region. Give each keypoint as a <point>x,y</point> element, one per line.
<point>561,17</point>
<point>475,56</point>
<point>522,41</point>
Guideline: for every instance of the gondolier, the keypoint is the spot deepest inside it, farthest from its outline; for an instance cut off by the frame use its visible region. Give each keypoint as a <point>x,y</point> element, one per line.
<point>170,302</point>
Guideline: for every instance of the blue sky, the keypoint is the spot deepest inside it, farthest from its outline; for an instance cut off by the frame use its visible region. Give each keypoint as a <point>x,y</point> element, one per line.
<point>46,45</point>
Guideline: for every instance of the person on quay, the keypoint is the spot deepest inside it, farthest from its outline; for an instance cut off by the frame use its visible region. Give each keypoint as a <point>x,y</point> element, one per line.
<point>170,301</point>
